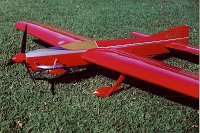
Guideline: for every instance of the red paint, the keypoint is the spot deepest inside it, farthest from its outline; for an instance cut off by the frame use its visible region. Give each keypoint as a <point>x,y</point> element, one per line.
<point>107,91</point>
<point>19,58</point>
<point>128,56</point>
<point>146,69</point>
<point>56,71</point>
<point>70,60</point>
<point>45,34</point>
<point>136,34</point>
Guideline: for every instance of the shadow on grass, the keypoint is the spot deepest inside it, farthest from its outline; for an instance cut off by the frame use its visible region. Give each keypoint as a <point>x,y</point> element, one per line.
<point>68,78</point>
<point>192,58</point>
<point>93,70</point>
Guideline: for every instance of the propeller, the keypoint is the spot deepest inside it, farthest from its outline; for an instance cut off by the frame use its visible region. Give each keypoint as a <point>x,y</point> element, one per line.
<point>23,44</point>
<point>10,62</point>
<point>20,57</point>
<point>29,72</point>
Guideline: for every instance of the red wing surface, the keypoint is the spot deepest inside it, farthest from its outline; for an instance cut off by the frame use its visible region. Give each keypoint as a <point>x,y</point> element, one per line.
<point>146,69</point>
<point>51,34</point>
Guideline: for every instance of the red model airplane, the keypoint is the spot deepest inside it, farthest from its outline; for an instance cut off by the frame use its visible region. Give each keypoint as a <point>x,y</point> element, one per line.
<point>129,56</point>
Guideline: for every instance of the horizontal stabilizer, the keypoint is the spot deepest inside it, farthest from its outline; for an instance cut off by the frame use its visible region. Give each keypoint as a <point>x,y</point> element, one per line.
<point>138,35</point>
<point>189,49</point>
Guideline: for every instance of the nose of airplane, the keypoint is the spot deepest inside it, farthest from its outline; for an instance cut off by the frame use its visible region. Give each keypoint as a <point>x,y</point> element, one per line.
<point>19,58</point>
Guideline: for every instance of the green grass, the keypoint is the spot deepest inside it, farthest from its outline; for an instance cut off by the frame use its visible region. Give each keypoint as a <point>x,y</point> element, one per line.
<point>32,108</point>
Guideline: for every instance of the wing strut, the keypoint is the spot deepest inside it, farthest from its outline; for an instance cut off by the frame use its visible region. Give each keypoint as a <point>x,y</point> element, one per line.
<point>107,91</point>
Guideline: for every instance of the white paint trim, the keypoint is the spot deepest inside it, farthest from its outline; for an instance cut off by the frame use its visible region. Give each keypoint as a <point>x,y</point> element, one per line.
<point>61,42</point>
<point>144,43</point>
<point>49,52</point>
<point>50,67</point>
<point>95,92</point>
<point>96,43</point>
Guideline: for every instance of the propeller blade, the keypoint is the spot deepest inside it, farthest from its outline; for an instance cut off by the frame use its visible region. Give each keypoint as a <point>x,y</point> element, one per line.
<point>10,62</point>
<point>29,72</point>
<point>23,44</point>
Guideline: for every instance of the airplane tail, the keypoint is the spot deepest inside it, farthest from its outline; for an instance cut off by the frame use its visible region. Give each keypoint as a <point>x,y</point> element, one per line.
<point>179,34</point>
<point>177,38</point>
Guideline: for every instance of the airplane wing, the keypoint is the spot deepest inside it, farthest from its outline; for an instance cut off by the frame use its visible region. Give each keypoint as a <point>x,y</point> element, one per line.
<point>51,34</point>
<point>146,69</point>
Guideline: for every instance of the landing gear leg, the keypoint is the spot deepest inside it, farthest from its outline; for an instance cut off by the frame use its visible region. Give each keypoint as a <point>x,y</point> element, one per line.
<point>107,91</point>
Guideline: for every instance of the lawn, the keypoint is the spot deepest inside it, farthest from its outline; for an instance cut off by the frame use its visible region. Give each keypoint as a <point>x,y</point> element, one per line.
<point>141,107</point>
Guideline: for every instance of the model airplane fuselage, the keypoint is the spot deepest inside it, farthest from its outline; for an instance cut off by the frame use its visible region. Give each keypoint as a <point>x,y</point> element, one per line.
<point>127,56</point>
